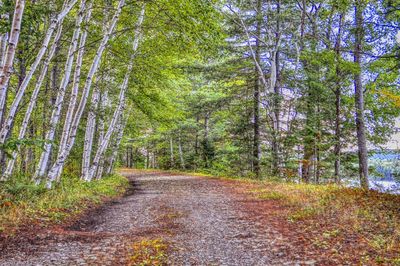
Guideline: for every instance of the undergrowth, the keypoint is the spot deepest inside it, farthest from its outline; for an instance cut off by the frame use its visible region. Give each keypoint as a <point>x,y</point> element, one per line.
<point>23,202</point>
<point>336,214</point>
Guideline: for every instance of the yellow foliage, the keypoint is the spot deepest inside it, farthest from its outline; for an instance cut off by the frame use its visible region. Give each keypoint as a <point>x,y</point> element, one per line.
<point>371,214</point>
<point>387,95</point>
<point>148,252</point>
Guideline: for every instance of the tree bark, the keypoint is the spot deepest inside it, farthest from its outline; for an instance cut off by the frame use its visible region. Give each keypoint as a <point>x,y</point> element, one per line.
<point>32,102</point>
<point>56,168</point>
<point>121,102</point>
<point>119,134</point>
<point>171,145</point>
<point>257,98</point>
<point>56,114</point>
<point>103,100</point>
<point>359,96</point>
<point>338,97</point>
<point>275,87</point>
<point>75,84</point>
<point>6,127</point>
<point>7,67</point>
<point>89,133</point>
<point>183,166</point>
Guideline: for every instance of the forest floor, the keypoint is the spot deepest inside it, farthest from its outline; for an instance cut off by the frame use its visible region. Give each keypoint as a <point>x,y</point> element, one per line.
<point>182,219</point>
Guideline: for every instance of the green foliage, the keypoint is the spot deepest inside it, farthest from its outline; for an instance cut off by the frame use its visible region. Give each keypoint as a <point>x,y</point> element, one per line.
<point>12,145</point>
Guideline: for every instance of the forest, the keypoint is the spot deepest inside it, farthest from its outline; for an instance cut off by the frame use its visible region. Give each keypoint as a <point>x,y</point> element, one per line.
<point>303,95</point>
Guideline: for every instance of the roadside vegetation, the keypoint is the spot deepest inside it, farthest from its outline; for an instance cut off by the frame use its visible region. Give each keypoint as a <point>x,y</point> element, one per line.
<point>348,224</point>
<point>23,203</point>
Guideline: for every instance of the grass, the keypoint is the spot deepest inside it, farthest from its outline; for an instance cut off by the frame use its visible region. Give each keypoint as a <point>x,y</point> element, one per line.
<point>21,202</point>
<point>334,215</point>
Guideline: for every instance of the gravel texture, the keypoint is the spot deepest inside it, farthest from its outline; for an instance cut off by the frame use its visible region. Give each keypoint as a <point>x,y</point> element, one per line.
<point>204,221</point>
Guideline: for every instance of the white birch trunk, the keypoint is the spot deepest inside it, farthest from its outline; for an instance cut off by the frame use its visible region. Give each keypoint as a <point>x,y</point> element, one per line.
<point>56,168</point>
<point>7,67</point>
<point>119,134</point>
<point>171,146</point>
<point>181,153</point>
<point>75,84</point>
<point>21,90</point>
<point>4,40</point>
<point>104,144</point>
<point>56,114</point>
<point>32,102</point>
<point>89,133</point>
<point>104,99</point>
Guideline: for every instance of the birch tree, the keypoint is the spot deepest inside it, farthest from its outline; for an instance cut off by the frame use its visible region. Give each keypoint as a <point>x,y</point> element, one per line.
<point>33,100</point>
<point>56,168</point>
<point>6,127</point>
<point>121,101</point>
<point>101,128</point>
<point>55,117</point>
<point>89,133</point>
<point>9,54</point>
<point>119,132</point>
<point>91,123</point>
<point>76,81</point>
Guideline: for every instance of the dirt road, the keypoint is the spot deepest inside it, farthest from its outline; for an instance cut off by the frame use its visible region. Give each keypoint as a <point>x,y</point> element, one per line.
<point>204,221</point>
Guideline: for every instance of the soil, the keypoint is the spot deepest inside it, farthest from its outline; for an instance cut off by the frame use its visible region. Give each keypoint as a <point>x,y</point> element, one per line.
<point>204,221</point>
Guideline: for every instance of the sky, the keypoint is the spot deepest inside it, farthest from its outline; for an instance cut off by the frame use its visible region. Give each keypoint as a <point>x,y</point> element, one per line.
<point>394,142</point>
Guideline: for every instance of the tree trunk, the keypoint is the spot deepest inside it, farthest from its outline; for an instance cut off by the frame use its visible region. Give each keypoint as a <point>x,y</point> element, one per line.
<point>181,153</point>
<point>6,70</point>
<point>359,97</point>
<point>257,98</point>
<point>75,84</point>
<point>89,133</point>
<point>206,141</point>
<point>171,145</point>
<point>275,84</point>
<point>121,102</point>
<point>32,102</point>
<point>56,114</point>
<point>338,96</point>
<point>56,168</point>
<point>114,152</point>
<point>104,98</point>
<point>6,127</point>
<point>3,47</point>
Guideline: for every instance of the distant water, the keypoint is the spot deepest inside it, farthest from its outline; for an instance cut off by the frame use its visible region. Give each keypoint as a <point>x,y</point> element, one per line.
<point>385,177</point>
<point>387,186</point>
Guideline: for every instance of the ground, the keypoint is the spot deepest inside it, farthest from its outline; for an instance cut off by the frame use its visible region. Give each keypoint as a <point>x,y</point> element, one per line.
<point>183,219</point>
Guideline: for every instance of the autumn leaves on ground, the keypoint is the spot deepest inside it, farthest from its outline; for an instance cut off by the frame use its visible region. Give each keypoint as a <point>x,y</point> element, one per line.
<point>187,219</point>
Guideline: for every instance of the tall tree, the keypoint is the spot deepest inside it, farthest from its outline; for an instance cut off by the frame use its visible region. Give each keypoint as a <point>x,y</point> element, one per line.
<point>359,7</point>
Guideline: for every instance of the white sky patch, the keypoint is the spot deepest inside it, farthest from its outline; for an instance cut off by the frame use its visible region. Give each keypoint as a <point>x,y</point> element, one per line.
<point>398,37</point>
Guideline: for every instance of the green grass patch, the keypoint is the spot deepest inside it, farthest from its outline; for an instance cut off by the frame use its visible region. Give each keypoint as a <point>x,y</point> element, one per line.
<point>271,195</point>
<point>23,202</point>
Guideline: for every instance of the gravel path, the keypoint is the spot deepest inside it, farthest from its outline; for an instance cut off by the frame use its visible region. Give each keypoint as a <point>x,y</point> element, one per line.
<point>201,219</point>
